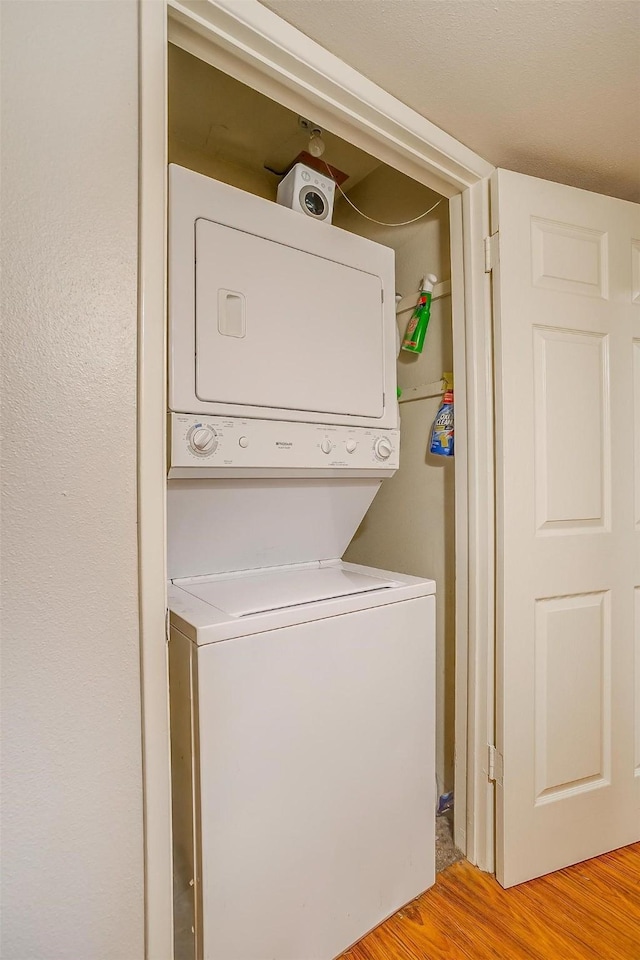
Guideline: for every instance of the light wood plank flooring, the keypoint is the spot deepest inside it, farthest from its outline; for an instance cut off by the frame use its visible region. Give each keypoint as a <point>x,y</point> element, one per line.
<point>587,912</point>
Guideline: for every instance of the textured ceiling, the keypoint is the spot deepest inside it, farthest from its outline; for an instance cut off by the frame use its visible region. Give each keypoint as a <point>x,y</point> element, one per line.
<point>550,88</point>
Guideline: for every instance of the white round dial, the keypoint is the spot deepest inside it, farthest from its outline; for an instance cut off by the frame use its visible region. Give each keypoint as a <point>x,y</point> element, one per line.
<point>202,439</point>
<point>325,446</point>
<point>382,448</point>
<point>351,446</point>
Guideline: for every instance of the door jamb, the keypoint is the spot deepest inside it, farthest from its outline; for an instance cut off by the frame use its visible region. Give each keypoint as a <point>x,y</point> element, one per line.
<point>151,470</point>
<point>480,647</point>
<point>252,44</point>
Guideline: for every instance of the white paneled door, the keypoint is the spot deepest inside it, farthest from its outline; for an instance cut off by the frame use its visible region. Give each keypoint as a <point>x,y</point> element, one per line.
<point>566,286</point>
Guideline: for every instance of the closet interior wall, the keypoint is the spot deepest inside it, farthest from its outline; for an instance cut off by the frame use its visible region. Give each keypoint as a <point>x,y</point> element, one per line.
<point>409,527</point>
<point>223,129</point>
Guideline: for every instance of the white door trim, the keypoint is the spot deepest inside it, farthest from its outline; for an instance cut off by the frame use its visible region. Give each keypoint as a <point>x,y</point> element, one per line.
<point>152,405</point>
<point>252,44</point>
<point>475,712</point>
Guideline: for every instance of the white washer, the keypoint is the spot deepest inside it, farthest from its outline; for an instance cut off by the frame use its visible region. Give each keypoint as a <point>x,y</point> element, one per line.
<point>305,753</point>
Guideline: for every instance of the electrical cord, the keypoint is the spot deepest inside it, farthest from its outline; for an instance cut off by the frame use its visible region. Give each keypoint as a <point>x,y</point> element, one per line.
<point>382,223</point>
<point>403,223</point>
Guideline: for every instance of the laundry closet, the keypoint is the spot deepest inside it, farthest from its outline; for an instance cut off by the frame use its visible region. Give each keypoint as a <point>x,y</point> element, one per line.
<point>221,131</point>
<point>224,129</point>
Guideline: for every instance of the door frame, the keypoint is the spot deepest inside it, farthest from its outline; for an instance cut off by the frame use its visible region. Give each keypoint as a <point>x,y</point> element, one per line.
<point>252,44</point>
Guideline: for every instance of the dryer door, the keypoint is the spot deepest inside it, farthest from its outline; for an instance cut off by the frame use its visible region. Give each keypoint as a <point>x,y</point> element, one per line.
<point>279,327</point>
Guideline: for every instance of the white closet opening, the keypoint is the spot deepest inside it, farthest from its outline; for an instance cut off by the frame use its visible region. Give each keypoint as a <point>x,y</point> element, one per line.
<point>223,129</point>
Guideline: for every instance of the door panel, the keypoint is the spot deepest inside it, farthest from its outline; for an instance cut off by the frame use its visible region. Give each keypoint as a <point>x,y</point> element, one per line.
<point>567,332</point>
<point>571,406</point>
<point>568,258</point>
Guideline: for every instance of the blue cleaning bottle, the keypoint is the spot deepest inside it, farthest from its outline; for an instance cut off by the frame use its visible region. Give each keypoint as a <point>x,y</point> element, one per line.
<point>442,430</point>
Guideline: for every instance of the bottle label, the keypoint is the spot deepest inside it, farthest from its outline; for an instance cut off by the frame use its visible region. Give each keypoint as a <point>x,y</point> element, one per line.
<point>444,419</point>
<point>413,323</point>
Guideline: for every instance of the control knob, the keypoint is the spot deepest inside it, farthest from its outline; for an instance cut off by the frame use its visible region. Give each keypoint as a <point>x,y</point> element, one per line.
<point>203,440</point>
<point>326,446</point>
<point>382,448</point>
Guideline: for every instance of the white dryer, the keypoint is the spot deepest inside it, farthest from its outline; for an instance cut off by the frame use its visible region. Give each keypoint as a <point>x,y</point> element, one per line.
<point>273,315</point>
<point>302,688</point>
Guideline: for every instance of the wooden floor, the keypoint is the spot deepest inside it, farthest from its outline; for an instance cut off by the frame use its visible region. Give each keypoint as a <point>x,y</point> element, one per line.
<point>587,912</point>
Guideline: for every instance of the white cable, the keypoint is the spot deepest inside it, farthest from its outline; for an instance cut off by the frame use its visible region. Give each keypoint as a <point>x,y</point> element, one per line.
<point>404,223</point>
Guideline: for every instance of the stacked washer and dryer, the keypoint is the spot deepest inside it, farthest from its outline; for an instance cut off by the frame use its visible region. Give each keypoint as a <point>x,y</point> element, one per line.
<point>302,687</point>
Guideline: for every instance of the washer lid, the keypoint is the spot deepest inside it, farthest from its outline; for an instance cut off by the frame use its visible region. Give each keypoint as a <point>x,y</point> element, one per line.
<point>249,594</point>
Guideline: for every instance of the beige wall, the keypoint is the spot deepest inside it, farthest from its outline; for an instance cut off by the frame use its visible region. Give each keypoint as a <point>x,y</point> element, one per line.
<point>259,182</point>
<point>410,525</point>
<point>390,196</point>
<point>72,856</point>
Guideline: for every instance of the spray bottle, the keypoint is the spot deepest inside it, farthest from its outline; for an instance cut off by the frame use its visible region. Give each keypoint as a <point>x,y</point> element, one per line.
<point>442,432</point>
<point>417,326</point>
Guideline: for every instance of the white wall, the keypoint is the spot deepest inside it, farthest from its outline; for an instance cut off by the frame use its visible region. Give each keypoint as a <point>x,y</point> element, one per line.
<point>72,870</point>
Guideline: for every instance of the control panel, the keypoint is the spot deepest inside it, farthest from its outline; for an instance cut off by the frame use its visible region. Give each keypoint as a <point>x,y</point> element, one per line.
<point>234,443</point>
